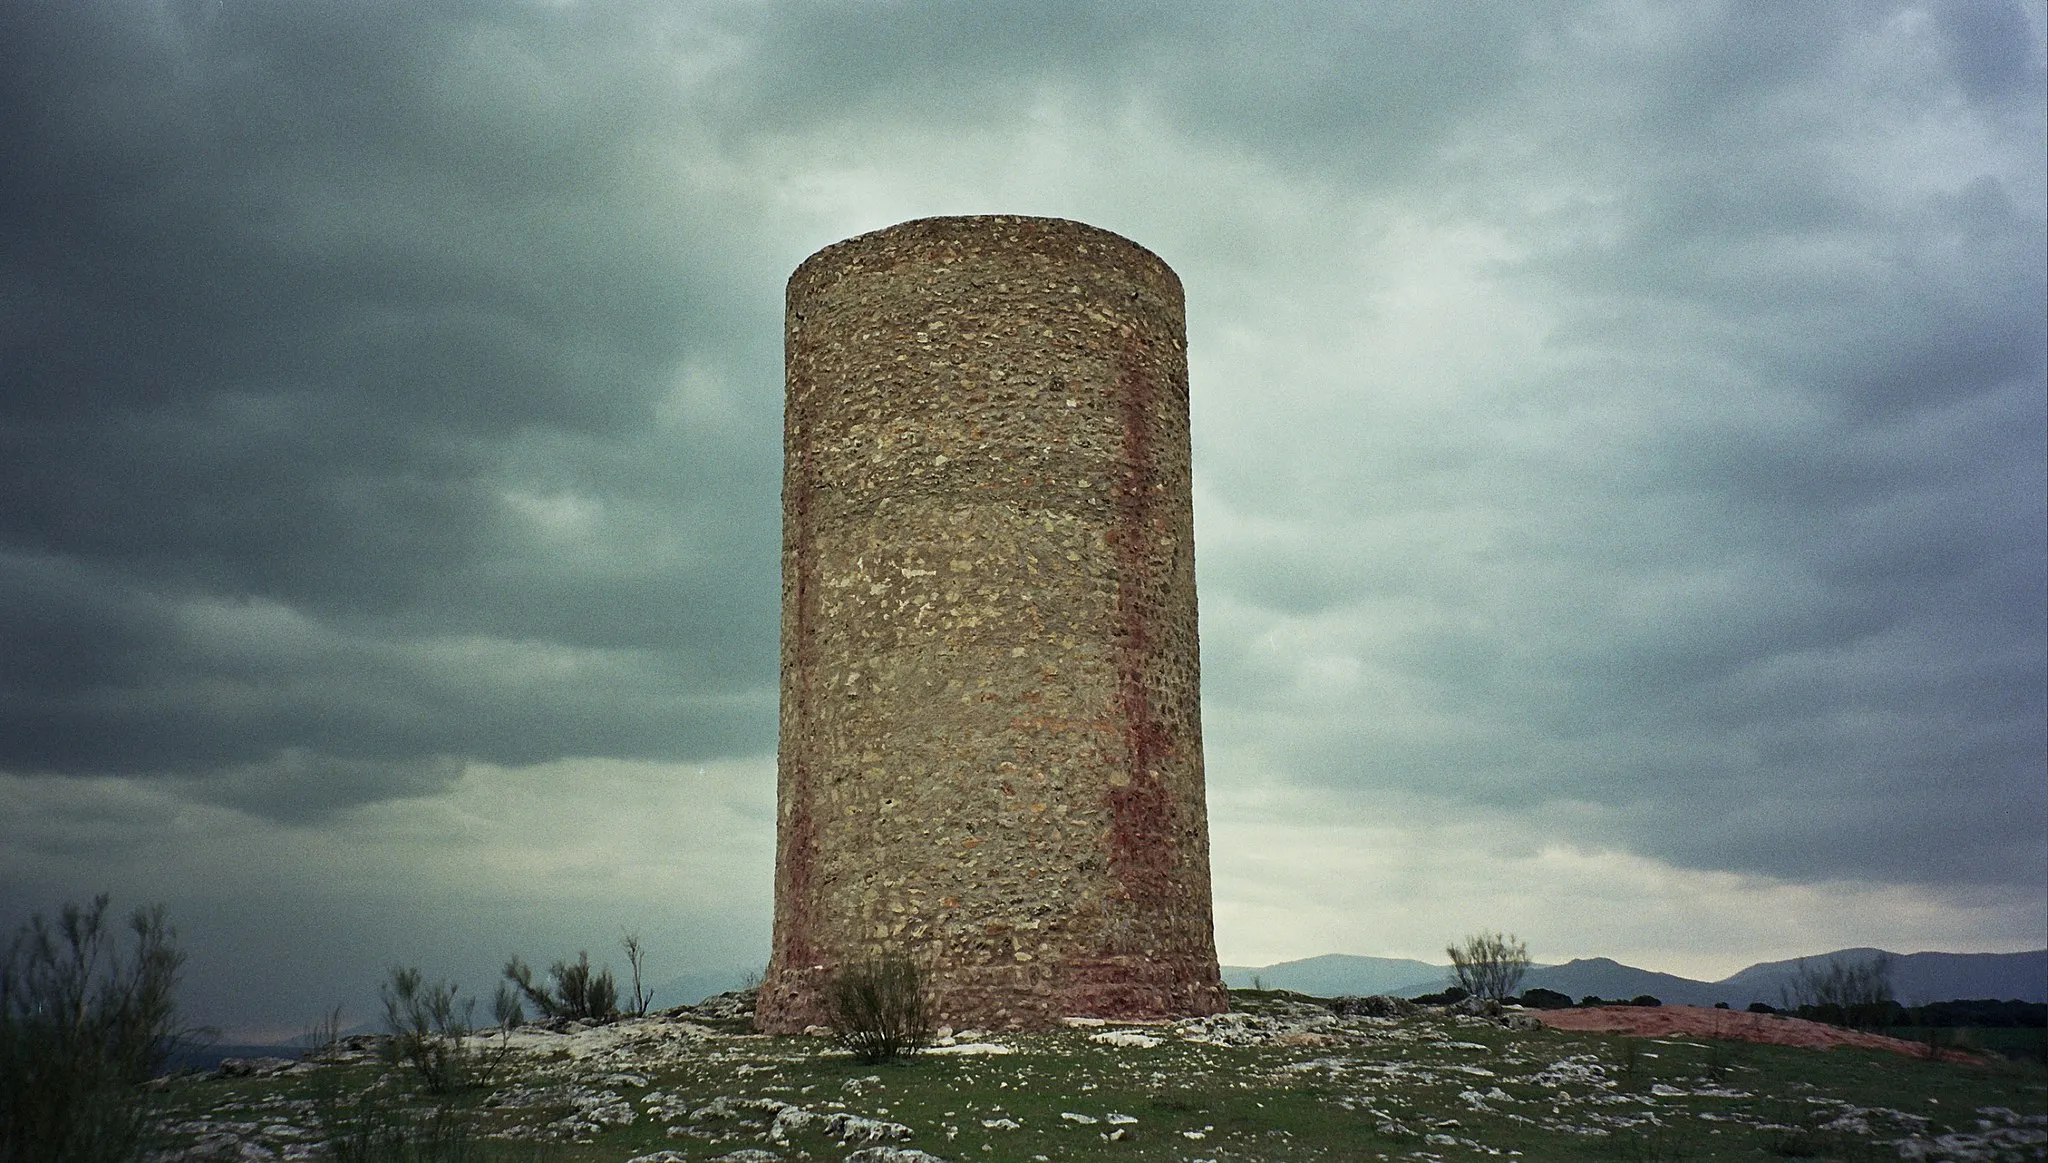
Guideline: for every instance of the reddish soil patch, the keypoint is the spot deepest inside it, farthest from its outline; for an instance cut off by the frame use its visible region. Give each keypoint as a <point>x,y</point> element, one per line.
<point>1734,1025</point>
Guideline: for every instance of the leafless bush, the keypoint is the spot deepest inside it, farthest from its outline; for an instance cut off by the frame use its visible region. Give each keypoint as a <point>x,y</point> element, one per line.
<point>878,1009</point>
<point>1490,965</point>
<point>1842,991</point>
<point>324,1036</point>
<point>636,957</point>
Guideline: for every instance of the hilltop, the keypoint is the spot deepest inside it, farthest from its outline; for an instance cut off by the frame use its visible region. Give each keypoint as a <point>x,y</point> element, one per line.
<point>1916,977</point>
<point>1282,1078</point>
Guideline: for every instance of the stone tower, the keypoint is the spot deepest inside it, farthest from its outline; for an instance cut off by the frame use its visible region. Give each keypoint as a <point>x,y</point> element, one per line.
<point>991,755</point>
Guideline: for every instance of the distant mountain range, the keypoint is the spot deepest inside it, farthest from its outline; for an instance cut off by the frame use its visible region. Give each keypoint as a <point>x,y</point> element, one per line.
<point>1916,978</point>
<point>1338,974</point>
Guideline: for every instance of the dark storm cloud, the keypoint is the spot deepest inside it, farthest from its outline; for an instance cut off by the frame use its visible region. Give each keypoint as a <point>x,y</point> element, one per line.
<point>301,302</point>
<point>1800,654</point>
<point>113,679</point>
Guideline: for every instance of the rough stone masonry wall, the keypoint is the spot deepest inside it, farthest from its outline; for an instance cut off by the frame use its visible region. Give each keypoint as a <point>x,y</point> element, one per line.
<point>991,754</point>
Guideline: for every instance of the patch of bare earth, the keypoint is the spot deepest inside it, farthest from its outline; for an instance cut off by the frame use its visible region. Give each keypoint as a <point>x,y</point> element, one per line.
<point>1733,1025</point>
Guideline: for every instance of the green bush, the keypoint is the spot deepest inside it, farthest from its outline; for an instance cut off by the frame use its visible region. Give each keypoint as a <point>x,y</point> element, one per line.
<point>81,1027</point>
<point>578,992</point>
<point>585,994</point>
<point>878,1009</point>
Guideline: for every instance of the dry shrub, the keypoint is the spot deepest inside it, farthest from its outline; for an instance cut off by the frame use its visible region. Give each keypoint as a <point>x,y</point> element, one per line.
<point>81,1027</point>
<point>1490,965</point>
<point>878,1008</point>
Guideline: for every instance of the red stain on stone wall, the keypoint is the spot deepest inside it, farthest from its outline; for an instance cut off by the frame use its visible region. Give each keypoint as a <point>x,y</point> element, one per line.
<point>796,838</point>
<point>1141,833</point>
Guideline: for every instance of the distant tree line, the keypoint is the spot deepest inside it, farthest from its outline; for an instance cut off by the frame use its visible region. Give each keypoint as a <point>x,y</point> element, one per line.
<point>1979,1012</point>
<point>1982,1012</point>
<point>1840,991</point>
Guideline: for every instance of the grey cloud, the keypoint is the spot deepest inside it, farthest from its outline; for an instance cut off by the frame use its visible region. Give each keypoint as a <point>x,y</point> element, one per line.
<point>1916,606</point>
<point>1730,53</point>
<point>1790,620</point>
<point>1364,89</point>
<point>300,302</point>
<point>1988,43</point>
<point>298,786</point>
<point>114,679</point>
<point>1789,617</point>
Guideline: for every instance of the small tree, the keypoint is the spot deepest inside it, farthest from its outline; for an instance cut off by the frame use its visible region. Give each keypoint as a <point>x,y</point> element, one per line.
<point>520,975</point>
<point>506,1009</point>
<point>426,1032</point>
<point>80,1027</point>
<point>878,1008</point>
<point>636,957</point>
<point>583,993</point>
<point>1491,965</point>
<point>579,992</point>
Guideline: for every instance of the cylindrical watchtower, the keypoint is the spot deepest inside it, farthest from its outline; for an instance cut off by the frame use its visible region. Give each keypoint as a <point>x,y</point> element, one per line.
<point>991,756</point>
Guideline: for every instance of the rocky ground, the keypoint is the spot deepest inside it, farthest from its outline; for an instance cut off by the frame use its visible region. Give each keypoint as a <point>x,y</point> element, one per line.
<point>1282,1078</point>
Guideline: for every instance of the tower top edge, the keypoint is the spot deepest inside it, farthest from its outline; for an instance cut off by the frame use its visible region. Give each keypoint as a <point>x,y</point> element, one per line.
<point>926,240</point>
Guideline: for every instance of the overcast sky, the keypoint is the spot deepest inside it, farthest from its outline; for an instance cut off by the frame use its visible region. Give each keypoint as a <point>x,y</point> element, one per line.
<point>1619,458</point>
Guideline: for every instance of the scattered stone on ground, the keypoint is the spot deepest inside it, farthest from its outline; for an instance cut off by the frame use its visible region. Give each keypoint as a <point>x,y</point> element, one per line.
<point>574,1081</point>
<point>258,1067</point>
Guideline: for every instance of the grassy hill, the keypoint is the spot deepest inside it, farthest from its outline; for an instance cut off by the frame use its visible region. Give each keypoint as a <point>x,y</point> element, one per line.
<point>1282,1079</point>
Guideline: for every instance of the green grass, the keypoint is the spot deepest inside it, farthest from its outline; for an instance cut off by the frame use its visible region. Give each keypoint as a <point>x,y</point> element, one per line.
<point>1429,1087</point>
<point>2019,1043</point>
